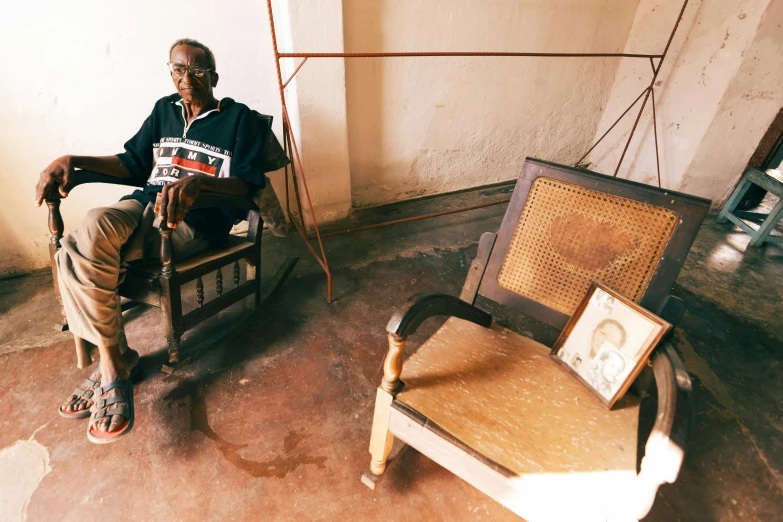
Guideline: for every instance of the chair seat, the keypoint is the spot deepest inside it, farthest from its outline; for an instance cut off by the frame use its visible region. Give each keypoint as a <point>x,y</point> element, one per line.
<point>142,284</point>
<point>500,394</point>
<point>182,266</point>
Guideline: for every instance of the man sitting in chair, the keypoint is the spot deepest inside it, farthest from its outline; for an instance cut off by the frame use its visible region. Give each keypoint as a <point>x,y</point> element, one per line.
<point>191,142</point>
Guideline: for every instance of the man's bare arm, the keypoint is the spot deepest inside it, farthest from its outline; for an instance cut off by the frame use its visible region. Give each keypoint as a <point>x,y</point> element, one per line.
<point>232,186</point>
<point>59,172</point>
<point>109,165</point>
<point>177,197</point>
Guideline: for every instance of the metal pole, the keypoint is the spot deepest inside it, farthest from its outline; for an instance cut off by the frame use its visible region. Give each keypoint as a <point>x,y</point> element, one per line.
<point>612,127</point>
<point>288,133</point>
<point>464,54</point>
<point>655,133</point>
<point>652,84</point>
<point>285,84</point>
<point>412,218</point>
<point>323,260</point>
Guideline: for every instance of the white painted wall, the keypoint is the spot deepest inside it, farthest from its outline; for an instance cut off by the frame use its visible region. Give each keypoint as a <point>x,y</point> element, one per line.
<point>719,89</point>
<point>753,98</point>
<point>316,102</point>
<point>81,77</point>
<point>428,125</point>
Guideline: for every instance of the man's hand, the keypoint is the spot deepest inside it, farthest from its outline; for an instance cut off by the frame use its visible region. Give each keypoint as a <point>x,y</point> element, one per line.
<point>57,174</point>
<point>177,197</point>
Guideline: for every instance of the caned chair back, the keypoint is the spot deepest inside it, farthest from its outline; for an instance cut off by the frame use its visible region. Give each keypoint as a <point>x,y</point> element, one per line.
<point>567,227</point>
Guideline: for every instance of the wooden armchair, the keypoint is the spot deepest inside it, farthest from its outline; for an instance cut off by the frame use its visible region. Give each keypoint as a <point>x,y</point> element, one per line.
<point>489,405</point>
<point>160,284</point>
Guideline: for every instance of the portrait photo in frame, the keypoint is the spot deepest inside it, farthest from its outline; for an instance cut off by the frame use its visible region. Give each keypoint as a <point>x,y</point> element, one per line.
<point>607,342</point>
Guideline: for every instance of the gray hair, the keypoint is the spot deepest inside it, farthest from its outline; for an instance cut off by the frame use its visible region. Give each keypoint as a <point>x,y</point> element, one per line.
<point>195,43</point>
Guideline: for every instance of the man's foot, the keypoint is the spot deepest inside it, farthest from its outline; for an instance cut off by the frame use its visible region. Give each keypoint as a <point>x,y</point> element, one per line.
<point>112,413</point>
<point>79,403</point>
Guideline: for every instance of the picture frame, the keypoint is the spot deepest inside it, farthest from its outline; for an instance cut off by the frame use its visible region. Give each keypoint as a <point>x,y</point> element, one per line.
<point>607,342</point>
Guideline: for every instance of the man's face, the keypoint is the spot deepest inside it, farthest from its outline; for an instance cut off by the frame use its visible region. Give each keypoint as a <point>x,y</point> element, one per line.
<point>191,88</point>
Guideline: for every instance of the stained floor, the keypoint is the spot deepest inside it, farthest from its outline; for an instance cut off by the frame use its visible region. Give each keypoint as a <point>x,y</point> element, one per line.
<point>271,421</point>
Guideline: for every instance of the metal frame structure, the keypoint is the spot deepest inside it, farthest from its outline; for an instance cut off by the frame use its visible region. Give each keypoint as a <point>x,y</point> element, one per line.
<point>296,163</point>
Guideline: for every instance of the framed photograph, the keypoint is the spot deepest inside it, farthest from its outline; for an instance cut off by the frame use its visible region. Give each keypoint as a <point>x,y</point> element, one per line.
<point>607,342</point>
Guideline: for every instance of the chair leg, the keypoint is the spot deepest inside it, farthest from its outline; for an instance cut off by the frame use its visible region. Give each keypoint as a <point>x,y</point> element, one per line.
<point>257,284</point>
<point>173,343</point>
<point>61,323</point>
<point>381,439</point>
<point>170,295</point>
<point>734,200</point>
<point>56,228</point>
<point>767,225</point>
<point>253,274</point>
<point>171,311</point>
<point>83,352</point>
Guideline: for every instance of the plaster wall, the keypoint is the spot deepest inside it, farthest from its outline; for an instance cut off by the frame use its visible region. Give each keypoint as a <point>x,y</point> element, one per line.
<point>421,126</point>
<point>751,102</point>
<point>716,94</point>
<point>81,77</point>
<point>316,101</point>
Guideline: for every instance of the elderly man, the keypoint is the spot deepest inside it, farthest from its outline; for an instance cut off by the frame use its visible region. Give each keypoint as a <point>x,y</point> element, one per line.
<point>191,142</point>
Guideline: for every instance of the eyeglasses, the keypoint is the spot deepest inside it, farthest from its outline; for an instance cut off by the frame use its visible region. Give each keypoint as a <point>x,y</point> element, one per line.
<point>178,69</point>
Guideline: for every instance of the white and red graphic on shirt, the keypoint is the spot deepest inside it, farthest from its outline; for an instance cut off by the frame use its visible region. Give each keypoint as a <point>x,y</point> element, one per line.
<point>178,157</point>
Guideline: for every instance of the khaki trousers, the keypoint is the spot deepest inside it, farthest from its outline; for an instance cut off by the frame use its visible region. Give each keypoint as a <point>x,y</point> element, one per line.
<point>92,260</point>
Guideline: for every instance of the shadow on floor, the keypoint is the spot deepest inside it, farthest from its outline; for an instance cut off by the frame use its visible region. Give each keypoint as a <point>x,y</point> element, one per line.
<point>273,421</point>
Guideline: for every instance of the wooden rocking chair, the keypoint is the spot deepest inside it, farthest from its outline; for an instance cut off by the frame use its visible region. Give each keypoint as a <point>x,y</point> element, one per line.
<point>491,406</point>
<point>160,284</point>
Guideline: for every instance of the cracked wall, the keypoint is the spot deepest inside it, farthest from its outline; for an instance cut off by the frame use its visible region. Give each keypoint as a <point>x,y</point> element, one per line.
<point>718,91</point>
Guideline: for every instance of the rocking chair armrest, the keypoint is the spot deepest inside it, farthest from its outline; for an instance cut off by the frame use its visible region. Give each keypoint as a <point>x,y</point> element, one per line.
<point>81,177</point>
<point>665,448</point>
<point>420,307</point>
<point>53,197</point>
<point>407,319</point>
<point>205,199</point>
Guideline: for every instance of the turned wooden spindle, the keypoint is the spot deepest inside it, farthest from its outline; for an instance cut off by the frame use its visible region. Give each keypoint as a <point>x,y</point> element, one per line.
<point>200,291</point>
<point>56,228</point>
<point>166,252</point>
<point>381,439</point>
<point>392,365</point>
<point>219,281</point>
<point>377,466</point>
<point>173,345</point>
<point>169,304</point>
<point>56,225</point>
<point>236,274</point>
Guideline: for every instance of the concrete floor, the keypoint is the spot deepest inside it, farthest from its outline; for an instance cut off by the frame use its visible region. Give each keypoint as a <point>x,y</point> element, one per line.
<point>272,421</point>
